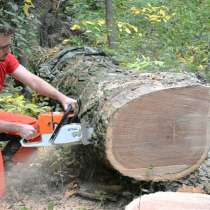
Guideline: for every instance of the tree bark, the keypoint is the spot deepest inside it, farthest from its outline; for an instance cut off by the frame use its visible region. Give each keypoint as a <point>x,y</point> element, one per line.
<point>151,126</point>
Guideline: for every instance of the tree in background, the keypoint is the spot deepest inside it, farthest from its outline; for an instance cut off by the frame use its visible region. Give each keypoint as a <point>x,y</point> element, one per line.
<point>110,23</point>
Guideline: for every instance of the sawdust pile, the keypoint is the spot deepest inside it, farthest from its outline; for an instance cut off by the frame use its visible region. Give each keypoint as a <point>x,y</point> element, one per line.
<point>44,173</point>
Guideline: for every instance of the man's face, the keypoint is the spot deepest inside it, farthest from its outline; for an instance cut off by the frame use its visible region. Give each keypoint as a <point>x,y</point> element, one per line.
<point>5,43</point>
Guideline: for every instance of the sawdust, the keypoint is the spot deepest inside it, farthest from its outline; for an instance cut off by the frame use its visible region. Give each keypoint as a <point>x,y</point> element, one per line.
<point>39,184</point>
<point>28,177</point>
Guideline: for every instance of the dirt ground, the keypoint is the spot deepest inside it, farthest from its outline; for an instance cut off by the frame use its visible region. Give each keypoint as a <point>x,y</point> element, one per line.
<point>73,196</point>
<point>62,183</point>
<point>58,202</point>
<point>32,186</point>
<point>83,196</point>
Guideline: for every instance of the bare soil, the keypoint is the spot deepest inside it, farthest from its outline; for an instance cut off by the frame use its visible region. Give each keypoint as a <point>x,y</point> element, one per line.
<point>35,185</point>
<point>59,202</point>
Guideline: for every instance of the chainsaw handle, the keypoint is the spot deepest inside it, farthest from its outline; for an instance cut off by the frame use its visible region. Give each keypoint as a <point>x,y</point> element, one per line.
<point>79,103</point>
<point>68,110</point>
<point>70,107</point>
<point>64,118</point>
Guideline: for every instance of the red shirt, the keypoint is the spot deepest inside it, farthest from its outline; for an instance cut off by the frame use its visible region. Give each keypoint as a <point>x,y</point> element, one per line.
<point>8,66</point>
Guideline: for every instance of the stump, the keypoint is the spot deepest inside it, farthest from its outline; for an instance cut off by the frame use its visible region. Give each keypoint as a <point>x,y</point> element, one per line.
<point>151,126</point>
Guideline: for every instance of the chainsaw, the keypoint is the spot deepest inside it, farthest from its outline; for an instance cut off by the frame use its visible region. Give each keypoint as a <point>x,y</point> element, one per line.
<point>60,128</point>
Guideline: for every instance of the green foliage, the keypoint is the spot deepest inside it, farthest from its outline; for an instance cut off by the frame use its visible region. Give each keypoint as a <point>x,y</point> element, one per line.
<point>24,208</point>
<point>145,62</point>
<point>26,6</point>
<point>18,16</point>
<point>51,205</point>
<point>17,103</point>
<point>170,33</point>
<point>95,30</point>
<point>151,35</point>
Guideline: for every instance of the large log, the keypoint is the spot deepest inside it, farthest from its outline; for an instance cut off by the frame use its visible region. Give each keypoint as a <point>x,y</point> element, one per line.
<point>151,126</point>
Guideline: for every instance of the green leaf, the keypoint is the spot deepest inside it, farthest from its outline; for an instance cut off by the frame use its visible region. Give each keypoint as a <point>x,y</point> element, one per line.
<point>50,205</point>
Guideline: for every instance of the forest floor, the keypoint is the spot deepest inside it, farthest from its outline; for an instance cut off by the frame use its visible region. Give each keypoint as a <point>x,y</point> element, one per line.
<point>58,202</point>
<point>66,183</point>
<point>31,187</point>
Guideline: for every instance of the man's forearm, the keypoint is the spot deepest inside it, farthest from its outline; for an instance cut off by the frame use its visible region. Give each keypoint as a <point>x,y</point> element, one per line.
<point>9,127</point>
<point>41,86</point>
<point>23,130</point>
<point>45,89</point>
<point>37,84</point>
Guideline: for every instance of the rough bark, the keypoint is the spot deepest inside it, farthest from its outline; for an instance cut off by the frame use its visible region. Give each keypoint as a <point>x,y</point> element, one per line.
<point>151,126</point>
<point>54,27</point>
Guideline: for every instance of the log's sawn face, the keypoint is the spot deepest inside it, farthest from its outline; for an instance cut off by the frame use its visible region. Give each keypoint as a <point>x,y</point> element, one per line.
<point>162,135</point>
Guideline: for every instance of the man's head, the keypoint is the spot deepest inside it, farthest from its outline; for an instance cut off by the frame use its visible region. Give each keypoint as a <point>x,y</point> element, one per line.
<point>5,41</point>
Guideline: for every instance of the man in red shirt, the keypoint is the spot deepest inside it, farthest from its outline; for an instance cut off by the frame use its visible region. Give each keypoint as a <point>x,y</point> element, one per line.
<point>10,65</point>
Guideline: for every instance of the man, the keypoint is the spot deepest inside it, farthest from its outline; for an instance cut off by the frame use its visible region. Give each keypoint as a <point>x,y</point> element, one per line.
<point>10,65</point>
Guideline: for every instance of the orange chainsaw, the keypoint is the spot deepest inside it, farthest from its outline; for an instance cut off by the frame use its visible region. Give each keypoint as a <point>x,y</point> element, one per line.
<point>60,128</point>
<point>53,128</point>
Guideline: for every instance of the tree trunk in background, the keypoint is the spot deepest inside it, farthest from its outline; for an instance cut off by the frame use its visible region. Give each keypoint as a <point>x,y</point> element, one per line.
<point>152,126</point>
<point>54,6</point>
<point>54,28</point>
<point>110,23</point>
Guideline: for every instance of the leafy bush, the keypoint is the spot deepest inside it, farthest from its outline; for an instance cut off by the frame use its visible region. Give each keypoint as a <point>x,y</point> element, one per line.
<point>17,103</point>
<point>151,35</point>
<point>18,17</point>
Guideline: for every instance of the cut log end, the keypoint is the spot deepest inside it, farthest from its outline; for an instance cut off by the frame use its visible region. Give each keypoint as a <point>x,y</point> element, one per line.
<point>162,135</point>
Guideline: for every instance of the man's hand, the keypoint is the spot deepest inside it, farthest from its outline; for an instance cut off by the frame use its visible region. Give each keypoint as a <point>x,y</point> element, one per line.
<point>27,131</point>
<point>67,100</point>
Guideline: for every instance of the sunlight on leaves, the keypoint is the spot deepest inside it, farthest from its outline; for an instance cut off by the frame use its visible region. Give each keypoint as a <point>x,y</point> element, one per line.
<point>153,13</point>
<point>26,6</point>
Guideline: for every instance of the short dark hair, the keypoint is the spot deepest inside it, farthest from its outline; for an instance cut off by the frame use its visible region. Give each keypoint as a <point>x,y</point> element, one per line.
<point>6,30</point>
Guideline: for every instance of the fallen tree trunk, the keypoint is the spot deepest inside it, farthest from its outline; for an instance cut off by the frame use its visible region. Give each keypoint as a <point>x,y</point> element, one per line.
<point>152,126</point>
